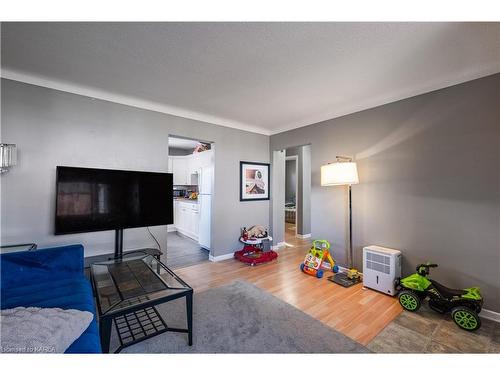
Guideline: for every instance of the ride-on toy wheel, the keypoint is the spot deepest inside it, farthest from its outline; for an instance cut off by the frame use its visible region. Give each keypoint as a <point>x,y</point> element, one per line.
<point>466,318</point>
<point>409,300</point>
<point>319,274</point>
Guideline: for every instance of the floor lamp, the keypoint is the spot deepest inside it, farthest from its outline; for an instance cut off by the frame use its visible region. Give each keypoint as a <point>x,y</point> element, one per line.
<point>342,172</point>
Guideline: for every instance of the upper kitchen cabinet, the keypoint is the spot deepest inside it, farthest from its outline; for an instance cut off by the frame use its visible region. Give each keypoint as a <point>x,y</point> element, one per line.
<point>180,170</point>
<point>186,168</point>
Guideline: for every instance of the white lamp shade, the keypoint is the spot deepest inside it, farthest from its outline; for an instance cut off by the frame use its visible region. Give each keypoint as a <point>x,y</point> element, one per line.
<point>342,173</point>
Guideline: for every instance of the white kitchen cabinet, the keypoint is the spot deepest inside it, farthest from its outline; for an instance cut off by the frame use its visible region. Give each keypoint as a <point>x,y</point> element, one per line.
<point>195,221</point>
<point>192,170</point>
<point>176,212</point>
<point>182,219</point>
<point>172,227</point>
<point>188,219</point>
<point>184,167</point>
<point>179,169</point>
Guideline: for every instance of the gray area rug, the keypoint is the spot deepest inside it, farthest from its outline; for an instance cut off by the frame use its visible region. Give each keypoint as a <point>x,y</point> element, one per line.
<point>241,318</point>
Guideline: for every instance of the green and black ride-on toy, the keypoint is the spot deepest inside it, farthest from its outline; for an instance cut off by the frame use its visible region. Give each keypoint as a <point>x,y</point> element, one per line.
<point>464,305</point>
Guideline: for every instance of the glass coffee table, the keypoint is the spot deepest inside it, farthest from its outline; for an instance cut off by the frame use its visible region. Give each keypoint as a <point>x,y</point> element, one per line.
<point>127,292</point>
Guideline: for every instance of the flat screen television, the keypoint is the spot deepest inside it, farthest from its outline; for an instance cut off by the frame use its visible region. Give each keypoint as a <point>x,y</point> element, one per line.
<point>89,200</point>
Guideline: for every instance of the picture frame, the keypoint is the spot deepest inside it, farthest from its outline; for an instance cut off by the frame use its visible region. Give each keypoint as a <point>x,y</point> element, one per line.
<point>254,181</point>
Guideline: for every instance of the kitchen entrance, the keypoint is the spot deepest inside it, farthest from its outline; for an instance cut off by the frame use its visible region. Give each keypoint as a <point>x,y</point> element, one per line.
<point>189,237</point>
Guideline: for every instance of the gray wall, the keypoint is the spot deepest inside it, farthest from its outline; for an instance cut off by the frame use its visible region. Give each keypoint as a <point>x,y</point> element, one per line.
<point>303,213</point>
<point>429,170</point>
<point>56,128</point>
<point>291,180</point>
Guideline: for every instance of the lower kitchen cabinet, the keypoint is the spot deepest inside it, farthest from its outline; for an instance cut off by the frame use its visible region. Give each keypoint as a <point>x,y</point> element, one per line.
<point>187,218</point>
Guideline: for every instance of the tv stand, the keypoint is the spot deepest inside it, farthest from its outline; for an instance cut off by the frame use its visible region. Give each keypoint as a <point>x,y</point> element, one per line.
<point>119,244</point>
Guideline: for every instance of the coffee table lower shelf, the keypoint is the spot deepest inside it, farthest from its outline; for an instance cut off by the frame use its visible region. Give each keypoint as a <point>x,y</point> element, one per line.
<point>140,325</point>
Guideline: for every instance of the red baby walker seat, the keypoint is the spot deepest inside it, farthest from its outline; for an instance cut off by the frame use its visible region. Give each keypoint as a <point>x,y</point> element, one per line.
<point>253,255</point>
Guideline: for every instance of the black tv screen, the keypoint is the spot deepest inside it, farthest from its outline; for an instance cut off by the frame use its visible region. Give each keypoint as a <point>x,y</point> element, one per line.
<point>89,200</point>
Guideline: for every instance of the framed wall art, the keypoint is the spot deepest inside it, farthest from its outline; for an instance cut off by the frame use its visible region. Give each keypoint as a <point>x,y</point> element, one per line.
<point>254,181</point>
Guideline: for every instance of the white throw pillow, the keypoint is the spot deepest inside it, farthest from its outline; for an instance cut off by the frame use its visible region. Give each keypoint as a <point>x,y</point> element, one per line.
<point>37,330</point>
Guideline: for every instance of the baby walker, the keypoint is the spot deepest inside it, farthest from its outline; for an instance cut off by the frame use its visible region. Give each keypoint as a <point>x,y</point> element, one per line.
<point>318,259</point>
<point>256,246</point>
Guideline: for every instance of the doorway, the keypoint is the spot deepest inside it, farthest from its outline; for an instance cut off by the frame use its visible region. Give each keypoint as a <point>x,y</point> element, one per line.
<point>291,188</point>
<point>291,196</point>
<point>191,161</point>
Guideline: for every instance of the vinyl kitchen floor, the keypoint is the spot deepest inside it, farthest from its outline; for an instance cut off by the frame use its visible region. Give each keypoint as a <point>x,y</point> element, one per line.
<point>183,252</point>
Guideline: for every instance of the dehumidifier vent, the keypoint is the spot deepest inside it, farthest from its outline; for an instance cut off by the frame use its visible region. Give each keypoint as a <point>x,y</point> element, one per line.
<point>377,262</point>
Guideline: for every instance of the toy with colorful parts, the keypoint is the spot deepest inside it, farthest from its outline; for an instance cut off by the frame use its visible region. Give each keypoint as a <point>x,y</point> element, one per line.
<point>317,258</point>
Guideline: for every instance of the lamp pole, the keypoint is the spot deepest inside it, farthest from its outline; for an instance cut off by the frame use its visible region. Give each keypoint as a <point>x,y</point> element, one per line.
<point>349,187</point>
<point>349,252</point>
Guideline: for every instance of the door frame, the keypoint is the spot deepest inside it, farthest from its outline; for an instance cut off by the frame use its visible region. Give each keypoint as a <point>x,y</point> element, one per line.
<point>212,201</point>
<point>296,158</point>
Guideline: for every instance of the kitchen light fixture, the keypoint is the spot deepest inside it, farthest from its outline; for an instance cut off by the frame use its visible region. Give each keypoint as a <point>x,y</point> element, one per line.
<point>342,172</point>
<point>8,156</point>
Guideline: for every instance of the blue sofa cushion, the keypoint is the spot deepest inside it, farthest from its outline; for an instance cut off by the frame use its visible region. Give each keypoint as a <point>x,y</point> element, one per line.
<point>45,285</point>
<point>28,267</point>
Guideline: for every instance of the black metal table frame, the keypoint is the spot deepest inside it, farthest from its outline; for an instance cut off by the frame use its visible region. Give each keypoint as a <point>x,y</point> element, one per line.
<point>106,319</point>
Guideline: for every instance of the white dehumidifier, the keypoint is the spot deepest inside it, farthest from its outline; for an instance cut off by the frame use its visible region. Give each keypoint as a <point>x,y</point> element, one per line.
<point>381,268</point>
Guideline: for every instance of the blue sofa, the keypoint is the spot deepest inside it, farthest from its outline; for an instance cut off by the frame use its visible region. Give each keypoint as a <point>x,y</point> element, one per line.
<point>50,278</point>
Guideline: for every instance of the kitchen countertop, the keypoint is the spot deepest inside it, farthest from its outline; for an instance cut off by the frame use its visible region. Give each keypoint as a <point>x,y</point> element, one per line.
<point>186,200</point>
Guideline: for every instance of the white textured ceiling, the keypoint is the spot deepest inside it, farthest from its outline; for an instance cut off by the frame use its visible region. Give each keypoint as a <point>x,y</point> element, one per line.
<point>264,77</point>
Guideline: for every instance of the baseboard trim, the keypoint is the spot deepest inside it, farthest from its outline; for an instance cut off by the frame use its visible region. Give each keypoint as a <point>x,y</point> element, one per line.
<point>220,258</point>
<point>303,236</point>
<point>189,235</point>
<point>490,315</point>
<point>278,246</point>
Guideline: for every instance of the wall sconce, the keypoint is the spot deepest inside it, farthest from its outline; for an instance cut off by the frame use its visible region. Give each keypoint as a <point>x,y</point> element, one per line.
<point>8,156</point>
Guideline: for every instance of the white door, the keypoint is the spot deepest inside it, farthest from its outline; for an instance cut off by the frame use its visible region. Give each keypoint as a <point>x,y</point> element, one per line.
<point>205,206</point>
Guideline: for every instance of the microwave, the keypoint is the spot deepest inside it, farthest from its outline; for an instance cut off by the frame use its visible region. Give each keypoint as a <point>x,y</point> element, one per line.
<point>180,193</point>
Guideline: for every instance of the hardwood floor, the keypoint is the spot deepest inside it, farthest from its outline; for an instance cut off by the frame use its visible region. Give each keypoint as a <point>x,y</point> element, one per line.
<point>356,312</point>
